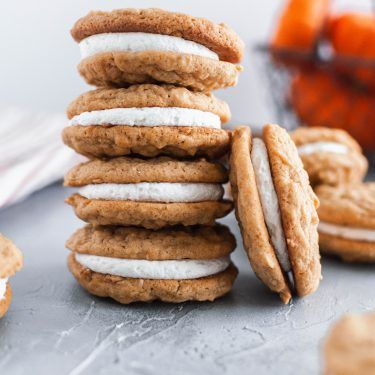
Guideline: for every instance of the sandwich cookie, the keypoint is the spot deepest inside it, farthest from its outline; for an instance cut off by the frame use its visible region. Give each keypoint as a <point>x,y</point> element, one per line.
<point>330,156</point>
<point>147,120</point>
<point>151,193</point>
<point>350,346</point>
<point>132,264</point>
<point>130,46</point>
<point>276,211</point>
<point>347,221</point>
<point>11,261</point>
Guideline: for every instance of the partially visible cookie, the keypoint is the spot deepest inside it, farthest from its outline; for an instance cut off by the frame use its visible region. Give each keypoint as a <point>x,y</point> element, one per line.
<point>276,211</point>
<point>347,221</point>
<point>151,193</point>
<point>11,261</point>
<point>131,46</point>
<point>350,346</point>
<point>330,156</point>
<point>148,120</point>
<point>132,264</point>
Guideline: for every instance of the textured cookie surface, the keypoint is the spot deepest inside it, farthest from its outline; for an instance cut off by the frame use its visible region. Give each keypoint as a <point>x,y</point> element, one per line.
<point>218,38</point>
<point>178,141</point>
<point>250,216</point>
<point>126,170</point>
<point>128,290</point>
<point>353,251</point>
<point>350,346</point>
<point>122,69</point>
<point>331,168</point>
<point>11,259</point>
<point>200,242</point>
<point>147,215</point>
<point>351,205</point>
<point>4,303</point>
<point>148,95</point>
<point>298,205</point>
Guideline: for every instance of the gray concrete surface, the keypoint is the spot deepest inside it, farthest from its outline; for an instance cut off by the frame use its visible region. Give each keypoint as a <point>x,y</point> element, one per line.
<point>55,327</point>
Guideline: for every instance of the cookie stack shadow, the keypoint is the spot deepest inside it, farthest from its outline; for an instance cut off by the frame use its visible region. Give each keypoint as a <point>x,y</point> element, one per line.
<point>152,190</point>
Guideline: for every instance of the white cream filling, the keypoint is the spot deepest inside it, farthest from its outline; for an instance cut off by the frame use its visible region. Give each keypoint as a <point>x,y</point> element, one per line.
<point>154,192</point>
<point>330,147</point>
<point>149,116</point>
<point>269,201</point>
<point>154,269</point>
<point>349,233</point>
<point>138,42</point>
<point>3,288</point>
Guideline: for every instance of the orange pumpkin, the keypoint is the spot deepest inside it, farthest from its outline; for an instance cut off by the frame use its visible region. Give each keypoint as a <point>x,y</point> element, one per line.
<point>300,25</point>
<point>322,99</point>
<point>353,35</point>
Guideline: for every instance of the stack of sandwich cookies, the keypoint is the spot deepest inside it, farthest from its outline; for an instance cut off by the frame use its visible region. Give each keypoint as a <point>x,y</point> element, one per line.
<point>11,261</point>
<point>131,46</point>
<point>148,120</point>
<point>276,211</point>
<point>132,264</point>
<point>330,156</point>
<point>152,193</point>
<point>347,221</point>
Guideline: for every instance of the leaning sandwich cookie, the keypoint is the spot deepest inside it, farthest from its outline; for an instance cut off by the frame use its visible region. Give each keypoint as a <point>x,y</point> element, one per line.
<point>152,193</point>
<point>132,264</point>
<point>130,46</point>
<point>276,211</point>
<point>11,261</point>
<point>147,120</point>
<point>330,156</point>
<point>347,221</point>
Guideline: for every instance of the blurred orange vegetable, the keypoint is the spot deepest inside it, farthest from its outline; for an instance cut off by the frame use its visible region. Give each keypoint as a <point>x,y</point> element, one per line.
<point>300,25</point>
<point>322,99</point>
<point>353,35</point>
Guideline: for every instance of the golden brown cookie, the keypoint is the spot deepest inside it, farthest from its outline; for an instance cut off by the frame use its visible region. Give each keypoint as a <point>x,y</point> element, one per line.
<point>217,37</point>
<point>200,242</point>
<point>330,156</point>
<point>11,259</point>
<point>178,141</point>
<point>115,136</point>
<point>347,221</point>
<point>140,96</point>
<point>134,170</point>
<point>121,67</point>
<point>128,290</point>
<point>5,302</point>
<point>149,215</point>
<point>297,210</point>
<point>350,346</point>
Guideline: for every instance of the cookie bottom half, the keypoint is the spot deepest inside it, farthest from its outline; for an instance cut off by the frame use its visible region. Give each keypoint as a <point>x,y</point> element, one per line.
<point>128,290</point>
<point>122,69</point>
<point>5,303</point>
<point>348,250</point>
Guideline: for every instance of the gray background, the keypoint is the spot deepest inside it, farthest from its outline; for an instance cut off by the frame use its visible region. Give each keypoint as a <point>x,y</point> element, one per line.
<point>53,326</point>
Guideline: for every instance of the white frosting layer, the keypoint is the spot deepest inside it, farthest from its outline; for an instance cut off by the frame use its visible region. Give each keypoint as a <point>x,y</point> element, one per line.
<point>149,116</point>
<point>153,269</point>
<point>154,192</point>
<point>138,42</point>
<point>331,147</point>
<point>349,233</point>
<point>3,288</point>
<point>269,201</point>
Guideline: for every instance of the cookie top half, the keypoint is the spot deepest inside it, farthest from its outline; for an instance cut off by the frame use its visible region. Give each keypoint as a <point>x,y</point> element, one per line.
<point>11,259</point>
<point>129,170</point>
<point>148,95</point>
<point>348,205</point>
<point>218,38</point>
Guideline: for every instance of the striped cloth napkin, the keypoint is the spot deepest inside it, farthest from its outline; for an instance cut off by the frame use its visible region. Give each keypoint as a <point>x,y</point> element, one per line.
<point>32,154</point>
